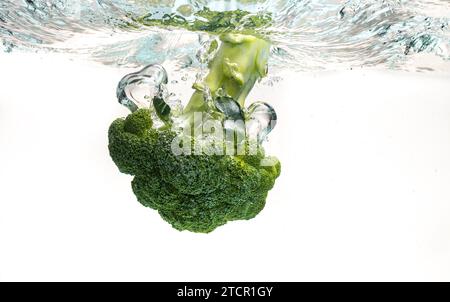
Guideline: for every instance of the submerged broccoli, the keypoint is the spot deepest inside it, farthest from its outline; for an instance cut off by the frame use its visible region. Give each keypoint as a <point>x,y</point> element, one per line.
<point>199,192</point>
<point>192,192</point>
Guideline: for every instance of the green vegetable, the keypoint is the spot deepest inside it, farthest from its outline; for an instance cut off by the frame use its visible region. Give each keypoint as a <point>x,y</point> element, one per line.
<point>192,192</point>
<point>162,109</point>
<point>199,192</point>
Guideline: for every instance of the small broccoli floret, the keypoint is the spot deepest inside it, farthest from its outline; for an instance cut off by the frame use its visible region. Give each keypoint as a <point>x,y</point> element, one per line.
<point>192,192</point>
<point>132,141</point>
<point>138,123</point>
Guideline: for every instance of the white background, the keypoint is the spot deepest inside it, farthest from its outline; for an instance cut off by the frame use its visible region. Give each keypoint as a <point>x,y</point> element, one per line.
<point>364,193</point>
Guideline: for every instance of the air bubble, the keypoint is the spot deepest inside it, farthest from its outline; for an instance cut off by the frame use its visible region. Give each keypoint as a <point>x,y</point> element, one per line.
<point>137,90</point>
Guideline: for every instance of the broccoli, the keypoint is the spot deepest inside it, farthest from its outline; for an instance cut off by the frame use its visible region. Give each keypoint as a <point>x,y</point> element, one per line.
<point>199,192</point>
<point>192,192</point>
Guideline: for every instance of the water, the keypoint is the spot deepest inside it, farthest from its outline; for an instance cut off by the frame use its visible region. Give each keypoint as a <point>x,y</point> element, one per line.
<point>147,89</point>
<point>262,118</point>
<point>307,35</point>
<point>138,89</point>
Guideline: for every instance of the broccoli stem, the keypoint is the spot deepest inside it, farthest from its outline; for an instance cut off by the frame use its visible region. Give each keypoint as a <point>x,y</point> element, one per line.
<point>240,61</point>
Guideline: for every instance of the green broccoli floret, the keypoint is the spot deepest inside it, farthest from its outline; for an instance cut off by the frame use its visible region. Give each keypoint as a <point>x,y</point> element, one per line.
<point>192,192</point>
<point>199,192</point>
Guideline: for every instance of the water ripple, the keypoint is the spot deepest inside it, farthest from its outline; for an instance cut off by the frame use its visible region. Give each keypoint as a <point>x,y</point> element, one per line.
<point>307,35</point>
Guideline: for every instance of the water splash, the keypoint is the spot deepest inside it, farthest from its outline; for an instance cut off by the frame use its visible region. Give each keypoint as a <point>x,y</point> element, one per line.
<point>138,89</point>
<point>306,34</point>
<point>147,89</point>
<point>330,35</point>
<point>262,118</point>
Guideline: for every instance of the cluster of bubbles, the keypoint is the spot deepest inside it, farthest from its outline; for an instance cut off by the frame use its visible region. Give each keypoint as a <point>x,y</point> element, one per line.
<point>147,89</point>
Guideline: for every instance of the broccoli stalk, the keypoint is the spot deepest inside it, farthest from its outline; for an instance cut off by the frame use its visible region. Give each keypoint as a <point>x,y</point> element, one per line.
<point>240,61</point>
